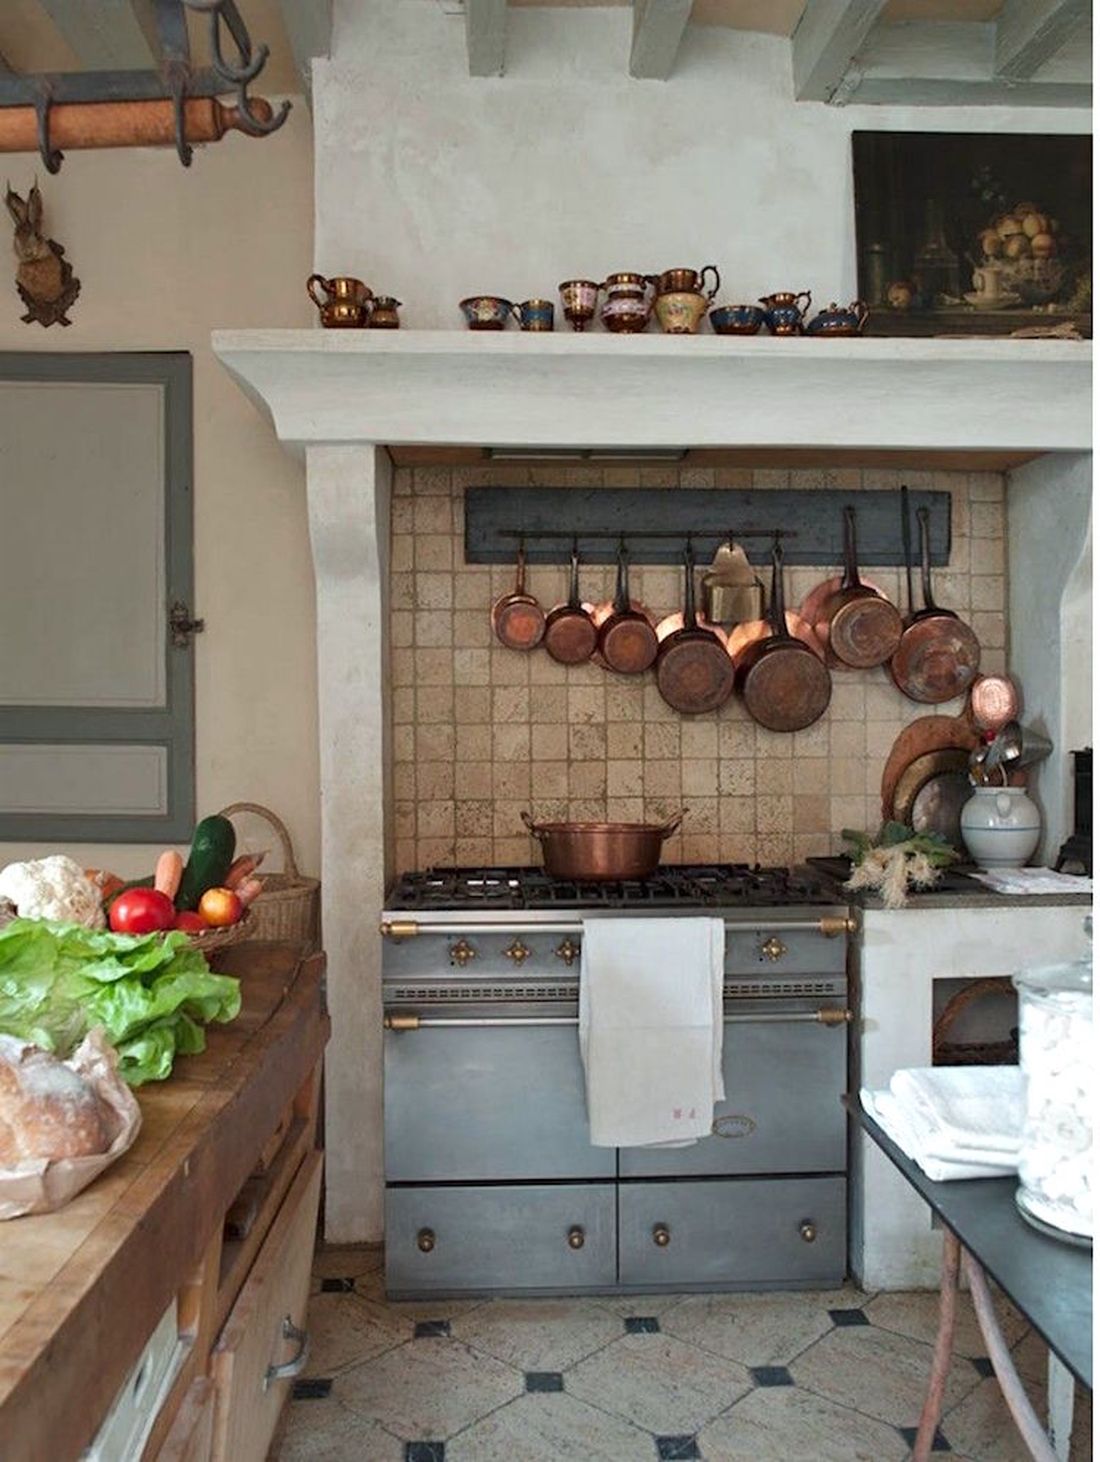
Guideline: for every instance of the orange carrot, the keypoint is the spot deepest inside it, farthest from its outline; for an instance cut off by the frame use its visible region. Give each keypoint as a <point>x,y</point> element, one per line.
<point>169,871</point>
<point>242,868</point>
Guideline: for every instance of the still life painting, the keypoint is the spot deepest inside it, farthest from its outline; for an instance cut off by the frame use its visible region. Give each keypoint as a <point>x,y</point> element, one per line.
<point>974,233</point>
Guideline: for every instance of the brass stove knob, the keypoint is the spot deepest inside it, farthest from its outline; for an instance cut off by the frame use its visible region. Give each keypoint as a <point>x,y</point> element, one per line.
<point>662,1235</point>
<point>568,951</point>
<point>575,1237</point>
<point>807,1230</point>
<point>425,1240</point>
<point>462,953</point>
<point>773,949</point>
<point>518,952</point>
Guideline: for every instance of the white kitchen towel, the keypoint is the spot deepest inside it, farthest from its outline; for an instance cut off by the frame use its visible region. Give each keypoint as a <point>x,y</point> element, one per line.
<point>651,1028</point>
<point>970,1108</point>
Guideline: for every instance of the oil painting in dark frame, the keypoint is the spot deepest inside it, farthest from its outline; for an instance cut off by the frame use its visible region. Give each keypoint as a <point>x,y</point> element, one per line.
<point>973,233</point>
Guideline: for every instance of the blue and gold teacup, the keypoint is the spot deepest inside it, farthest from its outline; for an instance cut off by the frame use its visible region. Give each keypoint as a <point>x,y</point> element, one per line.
<point>736,319</point>
<point>535,314</point>
<point>486,311</point>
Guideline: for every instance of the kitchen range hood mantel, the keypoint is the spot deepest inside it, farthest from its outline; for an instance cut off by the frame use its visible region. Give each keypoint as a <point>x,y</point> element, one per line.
<point>455,388</point>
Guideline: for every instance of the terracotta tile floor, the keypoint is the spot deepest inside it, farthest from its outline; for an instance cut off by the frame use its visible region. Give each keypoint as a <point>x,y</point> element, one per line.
<point>834,1376</point>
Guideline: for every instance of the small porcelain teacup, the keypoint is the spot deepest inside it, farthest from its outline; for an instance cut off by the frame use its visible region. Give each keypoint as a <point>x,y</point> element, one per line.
<point>535,315</point>
<point>736,319</point>
<point>679,312</point>
<point>486,311</point>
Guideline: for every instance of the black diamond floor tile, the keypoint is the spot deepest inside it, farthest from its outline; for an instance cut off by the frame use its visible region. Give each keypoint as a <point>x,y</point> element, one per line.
<point>427,1328</point>
<point>642,1324</point>
<point>337,1286</point>
<point>983,1365</point>
<point>544,1381</point>
<point>848,1317</point>
<point>771,1376</point>
<point>425,1451</point>
<point>673,1449</point>
<point>939,1443</point>
<point>311,1388</point>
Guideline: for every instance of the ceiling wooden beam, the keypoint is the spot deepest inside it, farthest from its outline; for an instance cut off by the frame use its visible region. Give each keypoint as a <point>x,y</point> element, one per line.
<point>108,35</point>
<point>1031,32</point>
<point>659,27</point>
<point>486,28</point>
<point>950,63</point>
<point>308,25</point>
<point>826,39</point>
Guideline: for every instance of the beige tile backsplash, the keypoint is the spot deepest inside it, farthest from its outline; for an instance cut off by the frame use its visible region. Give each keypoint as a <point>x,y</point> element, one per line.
<point>481,733</point>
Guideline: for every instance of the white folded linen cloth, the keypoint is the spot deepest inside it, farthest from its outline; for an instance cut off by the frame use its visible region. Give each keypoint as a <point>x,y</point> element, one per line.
<point>954,1122</point>
<point>651,1028</point>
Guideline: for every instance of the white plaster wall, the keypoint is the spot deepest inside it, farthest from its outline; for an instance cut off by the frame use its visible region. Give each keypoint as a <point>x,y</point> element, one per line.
<point>1049,524</point>
<point>433,185</point>
<point>164,256</point>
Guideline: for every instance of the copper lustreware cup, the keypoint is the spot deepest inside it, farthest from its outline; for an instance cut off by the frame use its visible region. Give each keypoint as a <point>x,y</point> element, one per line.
<point>343,302</point>
<point>578,301</point>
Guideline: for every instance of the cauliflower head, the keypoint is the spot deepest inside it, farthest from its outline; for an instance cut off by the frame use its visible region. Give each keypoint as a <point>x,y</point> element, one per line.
<point>53,888</point>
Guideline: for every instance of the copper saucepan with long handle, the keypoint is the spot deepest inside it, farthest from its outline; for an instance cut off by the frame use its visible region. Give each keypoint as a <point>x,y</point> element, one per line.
<point>597,852</point>
<point>519,620</point>
<point>627,639</point>
<point>570,635</point>
<point>857,623</point>
<point>694,670</point>
<point>785,685</point>
<point>938,656</point>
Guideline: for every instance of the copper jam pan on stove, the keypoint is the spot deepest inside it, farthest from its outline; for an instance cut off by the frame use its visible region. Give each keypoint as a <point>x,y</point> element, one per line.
<point>594,852</point>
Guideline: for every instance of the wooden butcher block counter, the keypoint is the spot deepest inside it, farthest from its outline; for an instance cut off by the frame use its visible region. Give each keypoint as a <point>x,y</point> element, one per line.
<point>213,1209</point>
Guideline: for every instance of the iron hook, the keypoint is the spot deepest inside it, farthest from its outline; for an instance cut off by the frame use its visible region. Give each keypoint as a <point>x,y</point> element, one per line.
<point>51,157</point>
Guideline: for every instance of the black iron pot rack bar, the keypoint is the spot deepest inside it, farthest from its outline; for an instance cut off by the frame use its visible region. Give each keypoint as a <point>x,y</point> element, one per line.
<point>174,80</point>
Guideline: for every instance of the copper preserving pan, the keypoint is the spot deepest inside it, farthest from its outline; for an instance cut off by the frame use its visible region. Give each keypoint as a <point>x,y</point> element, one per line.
<point>786,687</point>
<point>570,635</point>
<point>857,623</point>
<point>938,656</point>
<point>595,852</point>
<point>518,618</point>
<point>627,640</point>
<point>694,670</point>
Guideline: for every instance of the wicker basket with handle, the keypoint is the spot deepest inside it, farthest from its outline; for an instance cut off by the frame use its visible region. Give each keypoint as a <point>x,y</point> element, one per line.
<point>287,911</point>
<point>974,1053</point>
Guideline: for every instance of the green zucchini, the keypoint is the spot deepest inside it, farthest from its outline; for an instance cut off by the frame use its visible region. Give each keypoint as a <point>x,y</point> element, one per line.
<point>212,850</point>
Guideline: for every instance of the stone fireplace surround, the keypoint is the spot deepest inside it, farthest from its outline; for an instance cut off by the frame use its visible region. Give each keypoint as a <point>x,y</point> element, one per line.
<point>345,398</point>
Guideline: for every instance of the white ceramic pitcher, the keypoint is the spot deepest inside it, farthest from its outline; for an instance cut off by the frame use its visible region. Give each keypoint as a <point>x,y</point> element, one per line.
<point>1000,827</point>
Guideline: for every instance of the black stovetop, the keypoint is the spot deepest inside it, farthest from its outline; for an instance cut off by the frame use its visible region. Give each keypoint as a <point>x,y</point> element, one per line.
<point>680,886</point>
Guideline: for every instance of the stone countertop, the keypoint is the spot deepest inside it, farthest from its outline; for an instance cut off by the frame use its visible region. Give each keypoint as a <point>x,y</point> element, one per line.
<point>961,893</point>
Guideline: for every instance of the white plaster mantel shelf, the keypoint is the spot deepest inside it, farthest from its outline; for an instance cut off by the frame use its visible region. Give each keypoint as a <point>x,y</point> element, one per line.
<point>462,388</point>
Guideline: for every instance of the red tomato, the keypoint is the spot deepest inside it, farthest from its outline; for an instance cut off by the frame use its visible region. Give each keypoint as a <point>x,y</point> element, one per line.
<point>189,922</point>
<point>220,906</point>
<point>141,911</point>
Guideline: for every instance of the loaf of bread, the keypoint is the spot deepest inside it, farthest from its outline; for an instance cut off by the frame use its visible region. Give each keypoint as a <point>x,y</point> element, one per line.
<point>47,1110</point>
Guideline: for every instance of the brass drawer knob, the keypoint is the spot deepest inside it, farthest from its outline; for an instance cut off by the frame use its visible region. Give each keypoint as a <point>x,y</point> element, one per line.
<point>517,952</point>
<point>575,1237</point>
<point>567,951</point>
<point>807,1230</point>
<point>462,953</point>
<point>425,1240</point>
<point>773,949</point>
<point>662,1237</point>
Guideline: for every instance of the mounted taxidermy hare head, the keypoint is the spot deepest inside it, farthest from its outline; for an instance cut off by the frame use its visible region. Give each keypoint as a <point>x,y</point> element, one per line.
<point>44,277</point>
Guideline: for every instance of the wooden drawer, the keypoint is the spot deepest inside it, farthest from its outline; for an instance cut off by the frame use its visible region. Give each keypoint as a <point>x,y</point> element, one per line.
<point>255,1339</point>
<point>500,1238</point>
<point>192,1432</point>
<point>750,1231</point>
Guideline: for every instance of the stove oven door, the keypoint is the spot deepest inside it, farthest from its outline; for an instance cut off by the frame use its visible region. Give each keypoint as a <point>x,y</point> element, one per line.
<point>782,1114</point>
<point>478,1101</point>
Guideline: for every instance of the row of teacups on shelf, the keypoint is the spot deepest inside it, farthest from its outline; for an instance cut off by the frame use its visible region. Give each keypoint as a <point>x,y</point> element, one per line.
<point>678,299</point>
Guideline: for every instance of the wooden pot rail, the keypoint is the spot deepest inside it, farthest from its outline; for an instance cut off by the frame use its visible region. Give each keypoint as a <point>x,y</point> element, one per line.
<point>76,125</point>
<point>81,1290</point>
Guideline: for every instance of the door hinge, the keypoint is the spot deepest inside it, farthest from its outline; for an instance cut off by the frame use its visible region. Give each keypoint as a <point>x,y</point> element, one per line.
<point>182,626</point>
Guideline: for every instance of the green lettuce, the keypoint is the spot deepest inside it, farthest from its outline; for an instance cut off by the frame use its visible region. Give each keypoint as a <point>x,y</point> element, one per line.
<point>152,993</point>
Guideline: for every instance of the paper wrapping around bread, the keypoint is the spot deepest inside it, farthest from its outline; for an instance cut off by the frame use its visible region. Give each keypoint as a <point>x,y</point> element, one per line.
<point>40,1185</point>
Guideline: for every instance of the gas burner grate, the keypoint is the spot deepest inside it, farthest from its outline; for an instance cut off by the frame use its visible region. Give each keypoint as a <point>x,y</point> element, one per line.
<point>687,886</point>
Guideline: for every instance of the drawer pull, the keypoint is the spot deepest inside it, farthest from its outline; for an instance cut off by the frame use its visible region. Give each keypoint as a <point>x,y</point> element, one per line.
<point>575,1237</point>
<point>773,949</point>
<point>807,1230</point>
<point>294,1367</point>
<point>662,1236</point>
<point>425,1240</point>
<point>462,953</point>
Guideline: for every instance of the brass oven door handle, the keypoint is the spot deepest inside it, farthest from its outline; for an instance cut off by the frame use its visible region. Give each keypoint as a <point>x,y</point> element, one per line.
<point>398,930</point>
<point>827,1016</point>
<point>297,1364</point>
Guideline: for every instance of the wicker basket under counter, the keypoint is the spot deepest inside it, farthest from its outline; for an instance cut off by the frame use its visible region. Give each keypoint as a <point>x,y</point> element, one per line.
<point>288,910</point>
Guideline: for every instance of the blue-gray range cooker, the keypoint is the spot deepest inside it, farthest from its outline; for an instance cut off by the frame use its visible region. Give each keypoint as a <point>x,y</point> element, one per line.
<point>491,1182</point>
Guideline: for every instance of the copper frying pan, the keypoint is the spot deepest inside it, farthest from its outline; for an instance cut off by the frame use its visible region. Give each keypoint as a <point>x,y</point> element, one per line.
<point>858,623</point>
<point>939,653</point>
<point>785,685</point>
<point>627,640</point>
<point>694,670</point>
<point>570,635</point>
<point>518,617</point>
